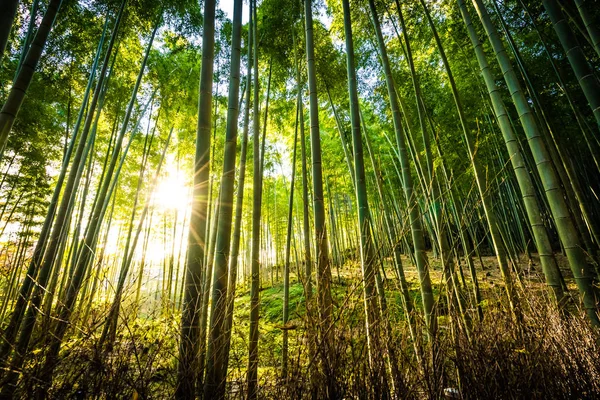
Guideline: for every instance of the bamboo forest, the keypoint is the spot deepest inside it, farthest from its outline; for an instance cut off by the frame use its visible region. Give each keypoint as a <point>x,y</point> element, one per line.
<point>299,199</point>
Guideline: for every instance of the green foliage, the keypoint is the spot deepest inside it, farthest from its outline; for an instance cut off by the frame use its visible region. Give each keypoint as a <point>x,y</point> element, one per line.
<point>170,86</point>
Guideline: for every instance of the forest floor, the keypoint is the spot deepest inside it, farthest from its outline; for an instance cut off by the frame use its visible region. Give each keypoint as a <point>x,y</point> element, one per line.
<point>347,296</point>
<point>143,360</point>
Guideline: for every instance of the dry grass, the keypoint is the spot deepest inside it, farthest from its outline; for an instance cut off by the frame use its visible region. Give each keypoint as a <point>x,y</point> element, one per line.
<point>546,355</point>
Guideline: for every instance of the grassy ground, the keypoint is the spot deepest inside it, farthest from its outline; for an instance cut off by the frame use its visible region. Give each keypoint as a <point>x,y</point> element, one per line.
<point>499,359</point>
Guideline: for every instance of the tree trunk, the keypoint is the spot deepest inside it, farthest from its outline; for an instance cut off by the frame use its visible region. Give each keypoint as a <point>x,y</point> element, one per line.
<point>216,368</point>
<point>591,26</point>
<point>288,243</point>
<point>368,259</point>
<point>323,267</point>
<point>585,76</point>
<point>582,272</point>
<point>8,12</point>
<point>17,92</point>
<point>188,346</point>
<point>237,228</point>
<point>411,201</point>
<point>252,374</point>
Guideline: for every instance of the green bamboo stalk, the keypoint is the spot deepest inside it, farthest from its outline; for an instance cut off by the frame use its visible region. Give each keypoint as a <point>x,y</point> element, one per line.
<point>28,36</point>
<point>235,245</point>
<point>585,75</point>
<point>288,240</point>
<point>368,260</point>
<point>582,272</point>
<point>8,12</point>
<point>252,371</point>
<point>13,103</point>
<point>110,325</point>
<point>583,125</point>
<point>50,234</point>
<point>189,342</point>
<point>572,187</point>
<point>91,236</point>
<point>324,300</point>
<point>590,25</point>
<point>479,175</point>
<point>343,140</point>
<point>214,386</point>
<point>412,207</point>
<point>542,241</point>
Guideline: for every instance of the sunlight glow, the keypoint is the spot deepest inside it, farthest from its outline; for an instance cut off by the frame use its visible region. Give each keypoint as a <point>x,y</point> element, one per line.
<point>172,192</point>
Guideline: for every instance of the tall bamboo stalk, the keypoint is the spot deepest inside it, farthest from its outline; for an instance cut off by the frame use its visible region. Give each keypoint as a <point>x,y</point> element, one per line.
<point>323,267</point>
<point>582,272</point>
<point>252,373</point>
<point>411,201</point>
<point>237,228</point>
<point>8,11</point>
<point>13,103</point>
<point>585,75</point>
<point>591,26</point>
<point>188,346</point>
<point>288,242</point>
<point>367,253</point>
<point>216,368</point>
<point>53,224</point>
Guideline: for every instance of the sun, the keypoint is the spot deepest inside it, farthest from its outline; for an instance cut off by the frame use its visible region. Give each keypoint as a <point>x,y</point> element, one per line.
<point>172,191</point>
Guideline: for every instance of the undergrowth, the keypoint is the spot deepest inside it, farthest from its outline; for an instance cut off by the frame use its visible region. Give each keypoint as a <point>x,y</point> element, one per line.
<point>548,354</point>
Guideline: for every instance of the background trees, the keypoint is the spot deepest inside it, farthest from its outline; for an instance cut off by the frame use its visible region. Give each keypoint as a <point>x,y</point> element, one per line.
<point>443,159</point>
